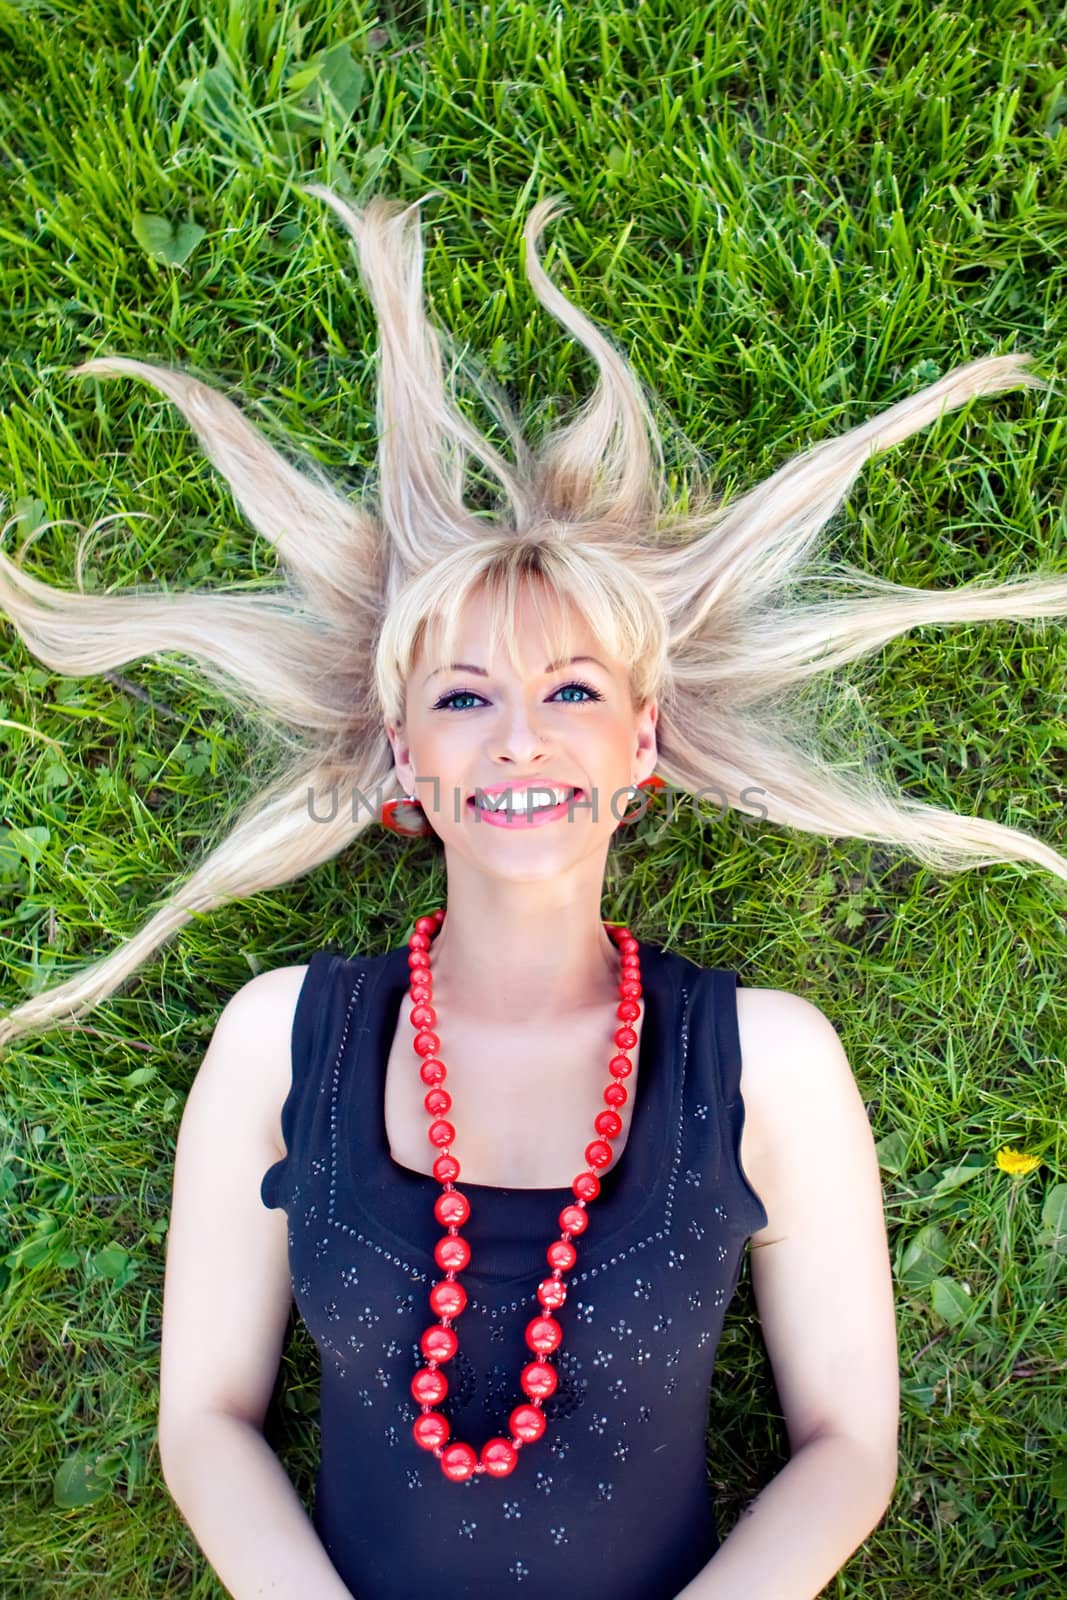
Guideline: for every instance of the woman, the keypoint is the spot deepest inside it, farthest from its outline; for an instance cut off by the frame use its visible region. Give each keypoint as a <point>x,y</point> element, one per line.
<point>509,1167</point>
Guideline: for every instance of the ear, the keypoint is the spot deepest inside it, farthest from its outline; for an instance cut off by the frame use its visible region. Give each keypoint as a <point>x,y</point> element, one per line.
<point>401,757</point>
<point>646,752</point>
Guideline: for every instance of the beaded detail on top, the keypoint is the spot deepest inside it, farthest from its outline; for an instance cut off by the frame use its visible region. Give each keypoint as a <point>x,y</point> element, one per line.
<point>623,1478</point>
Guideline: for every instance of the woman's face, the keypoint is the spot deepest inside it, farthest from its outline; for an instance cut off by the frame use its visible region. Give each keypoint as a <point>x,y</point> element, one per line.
<point>468,732</point>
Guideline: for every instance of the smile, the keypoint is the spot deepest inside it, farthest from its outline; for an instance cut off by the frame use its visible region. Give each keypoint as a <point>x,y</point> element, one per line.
<point>515,817</point>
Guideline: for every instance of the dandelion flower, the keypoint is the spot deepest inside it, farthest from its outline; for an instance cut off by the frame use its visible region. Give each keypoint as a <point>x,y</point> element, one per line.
<point>1016,1161</point>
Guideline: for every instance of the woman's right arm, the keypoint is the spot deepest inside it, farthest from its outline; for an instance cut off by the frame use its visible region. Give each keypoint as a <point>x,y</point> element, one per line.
<point>226,1302</point>
<point>248,1519</point>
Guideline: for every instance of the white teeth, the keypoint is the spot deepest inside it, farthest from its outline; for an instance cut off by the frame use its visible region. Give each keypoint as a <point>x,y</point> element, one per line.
<point>524,801</point>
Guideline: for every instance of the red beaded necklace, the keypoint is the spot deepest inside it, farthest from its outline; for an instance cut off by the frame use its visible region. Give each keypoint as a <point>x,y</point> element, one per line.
<point>439,1343</point>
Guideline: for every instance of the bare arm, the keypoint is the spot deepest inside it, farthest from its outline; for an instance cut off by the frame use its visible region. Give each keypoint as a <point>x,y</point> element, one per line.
<point>823,1284</point>
<point>226,1302</point>
<point>248,1519</point>
<point>801,1528</point>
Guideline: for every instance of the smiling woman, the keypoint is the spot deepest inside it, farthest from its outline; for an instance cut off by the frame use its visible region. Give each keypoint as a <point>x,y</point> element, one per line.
<point>625,1121</point>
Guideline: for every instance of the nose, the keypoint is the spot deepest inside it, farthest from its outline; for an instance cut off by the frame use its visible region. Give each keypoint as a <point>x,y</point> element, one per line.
<point>518,737</point>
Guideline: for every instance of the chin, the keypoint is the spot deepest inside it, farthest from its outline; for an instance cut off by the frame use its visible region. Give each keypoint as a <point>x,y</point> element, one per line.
<point>538,866</point>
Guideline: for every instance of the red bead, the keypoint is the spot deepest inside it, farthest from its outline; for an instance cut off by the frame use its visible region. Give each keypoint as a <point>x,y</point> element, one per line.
<point>452,1253</point>
<point>572,1219</point>
<point>441,1133</point>
<point>418,959</point>
<point>429,1386</point>
<point>446,1169</point>
<point>437,1102</point>
<point>621,1066</point>
<point>452,1208</point>
<point>626,1010</point>
<point>586,1186</point>
<point>447,1298</point>
<point>598,1154</point>
<point>428,1044</point>
<point>543,1335</point>
<point>561,1253</point>
<point>421,993</point>
<point>538,1380</point>
<point>438,1343</point>
<point>630,989</point>
<point>433,1071</point>
<point>499,1457</point>
<point>425,1016</point>
<point>629,945</point>
<point>527,1423</point>
<point>458,1461</point>
<point>625,1038</point>
<point>431,1430</point>
<point>551,1293</point>
<point>609,1123</point>
<point>426,924</point>
<point>419,941</point>
<point>615,1095</point>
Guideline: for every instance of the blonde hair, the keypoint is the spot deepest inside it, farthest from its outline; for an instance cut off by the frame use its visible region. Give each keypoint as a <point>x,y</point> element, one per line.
<point>700,602</point>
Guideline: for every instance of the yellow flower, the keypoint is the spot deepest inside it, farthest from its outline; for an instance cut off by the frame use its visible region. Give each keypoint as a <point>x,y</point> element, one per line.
<point>1009,1160</point>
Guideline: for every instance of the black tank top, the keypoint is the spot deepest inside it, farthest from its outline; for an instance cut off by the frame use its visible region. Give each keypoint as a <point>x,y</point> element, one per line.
<point>614,1497</point>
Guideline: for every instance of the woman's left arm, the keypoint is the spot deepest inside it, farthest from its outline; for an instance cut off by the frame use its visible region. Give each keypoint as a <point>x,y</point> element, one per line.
<point>823,1285</point>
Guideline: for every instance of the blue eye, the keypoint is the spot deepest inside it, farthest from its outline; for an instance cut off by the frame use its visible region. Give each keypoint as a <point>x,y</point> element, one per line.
<point>445,702</point>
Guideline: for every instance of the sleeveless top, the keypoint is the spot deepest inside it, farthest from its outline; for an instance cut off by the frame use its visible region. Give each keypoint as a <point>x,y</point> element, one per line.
<point>614,1497</point>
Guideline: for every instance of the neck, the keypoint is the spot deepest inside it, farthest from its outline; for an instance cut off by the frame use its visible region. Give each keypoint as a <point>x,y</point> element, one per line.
<point>506,959</point>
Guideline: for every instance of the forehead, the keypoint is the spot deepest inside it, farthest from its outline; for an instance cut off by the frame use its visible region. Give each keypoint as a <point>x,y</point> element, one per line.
<point>538,630</point>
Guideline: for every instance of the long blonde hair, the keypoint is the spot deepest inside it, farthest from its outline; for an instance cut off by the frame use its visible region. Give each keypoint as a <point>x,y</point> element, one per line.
<point>700,601</point>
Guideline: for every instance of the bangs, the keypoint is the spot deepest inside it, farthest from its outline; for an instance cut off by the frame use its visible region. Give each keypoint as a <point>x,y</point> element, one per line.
<point>565,584</point>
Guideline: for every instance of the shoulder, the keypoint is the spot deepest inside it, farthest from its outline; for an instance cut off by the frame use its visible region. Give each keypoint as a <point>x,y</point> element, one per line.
<point>787,1045</point>
<point>260,1002</point>
<point>258,1018</point>
<point>796,1083</point>
<point>769,1016</point>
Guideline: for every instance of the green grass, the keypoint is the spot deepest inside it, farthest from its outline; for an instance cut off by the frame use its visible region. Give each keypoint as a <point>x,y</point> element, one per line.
<point>789,216</point>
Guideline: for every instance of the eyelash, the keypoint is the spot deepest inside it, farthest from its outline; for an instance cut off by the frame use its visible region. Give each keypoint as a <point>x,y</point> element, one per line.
<point>443,705</point>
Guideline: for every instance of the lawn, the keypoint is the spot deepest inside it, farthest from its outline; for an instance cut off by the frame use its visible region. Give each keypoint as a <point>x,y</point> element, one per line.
<point>788,217</point>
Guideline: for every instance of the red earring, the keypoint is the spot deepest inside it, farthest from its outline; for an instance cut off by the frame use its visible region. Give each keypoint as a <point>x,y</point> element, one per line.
<point>389,818</point>
<point>653,785</point>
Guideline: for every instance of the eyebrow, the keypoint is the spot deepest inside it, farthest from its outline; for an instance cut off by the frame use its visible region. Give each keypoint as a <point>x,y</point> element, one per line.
<point>480,672</point>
